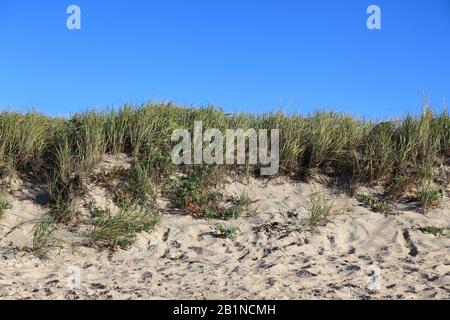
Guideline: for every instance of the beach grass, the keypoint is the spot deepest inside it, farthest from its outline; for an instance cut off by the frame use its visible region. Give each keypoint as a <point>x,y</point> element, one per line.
<point>119,230</point>
<point>320,211</point>
<point>4,204</point>
<point>62,152</point>
<point>331,142</point>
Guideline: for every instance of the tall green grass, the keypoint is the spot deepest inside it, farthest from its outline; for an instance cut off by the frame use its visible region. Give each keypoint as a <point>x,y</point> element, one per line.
<point>63,151</point>
<point>23,139</point>
<point>119,230</point>
<point>89,139</point>
<point>4,204</point>
<point>328,141</point>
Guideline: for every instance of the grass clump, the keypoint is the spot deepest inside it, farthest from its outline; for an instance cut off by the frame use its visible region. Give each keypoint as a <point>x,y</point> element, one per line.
<point>398,186</point>
<point>64,184</point>
<point>44,236</point>
<point>319,214</point>
<point>89,137</point>
<point>429,196</point>
<point>116,128</point>
<point>243,200</point>
<point>23,140</point>
<point>188,191</point>
<point>136,188</point>
<point>225,232</point>
<point>375,204</point>
<point>437,231</point>
<point>4,204</point>
<point>230,213</point>
<point>196,194</point>
<point>114,231</point>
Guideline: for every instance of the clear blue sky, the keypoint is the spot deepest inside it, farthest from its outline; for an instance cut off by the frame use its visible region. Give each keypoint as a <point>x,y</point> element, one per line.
<point>252,55</point>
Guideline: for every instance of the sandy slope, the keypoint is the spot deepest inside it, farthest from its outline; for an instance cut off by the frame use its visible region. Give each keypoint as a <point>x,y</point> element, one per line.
<point>360,255</point>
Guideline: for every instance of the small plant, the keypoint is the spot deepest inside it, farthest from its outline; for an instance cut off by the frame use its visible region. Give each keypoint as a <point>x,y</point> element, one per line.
<point>319,214</point>
<point>428,197</point>
<point>89,139</point>
<point>375,204</point>
<point>137,189</point>
<point>398,186</point>
<point>64,184</point>
<point>157,162</point>
<point>97,212</point>
<point>231,213</point>
<point>119,230</point>
<point>196,196</point>
<point>243,200</point>
<point>44,236</point>
<point>426,171</point>
<point>4,204</point>
<point>225,232</point>
<point>187,191</point>
<point>6,168</point>
<point>209,213</point>
<point>437,231</point>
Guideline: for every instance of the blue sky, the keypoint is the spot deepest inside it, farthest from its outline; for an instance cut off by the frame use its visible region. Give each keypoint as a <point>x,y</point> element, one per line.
<point>251,55</point>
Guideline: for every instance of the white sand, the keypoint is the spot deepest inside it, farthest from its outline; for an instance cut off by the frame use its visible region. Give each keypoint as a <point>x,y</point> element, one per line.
<point>359,255</point>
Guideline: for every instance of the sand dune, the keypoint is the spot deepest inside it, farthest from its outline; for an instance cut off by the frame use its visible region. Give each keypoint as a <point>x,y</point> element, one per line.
<point>359,255</point>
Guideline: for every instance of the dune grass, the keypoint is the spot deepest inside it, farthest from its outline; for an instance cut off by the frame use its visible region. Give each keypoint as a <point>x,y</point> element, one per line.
<point>44,236</point>
<point>437,231</point>
<point>227,232</point>
<point>332,142</point>
<point>4,204</point>
<point>64,151</point>
<point>119,230</point>
<point>375,204</point>
<point>136,188</point>
<point>320,211</point>
<point>429,196</point>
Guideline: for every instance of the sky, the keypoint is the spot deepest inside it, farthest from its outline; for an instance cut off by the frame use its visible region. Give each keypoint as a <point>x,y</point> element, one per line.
<point>240,55</point>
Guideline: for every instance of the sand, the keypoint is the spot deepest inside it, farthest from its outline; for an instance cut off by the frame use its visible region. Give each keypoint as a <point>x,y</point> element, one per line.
<point>358,255</point>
